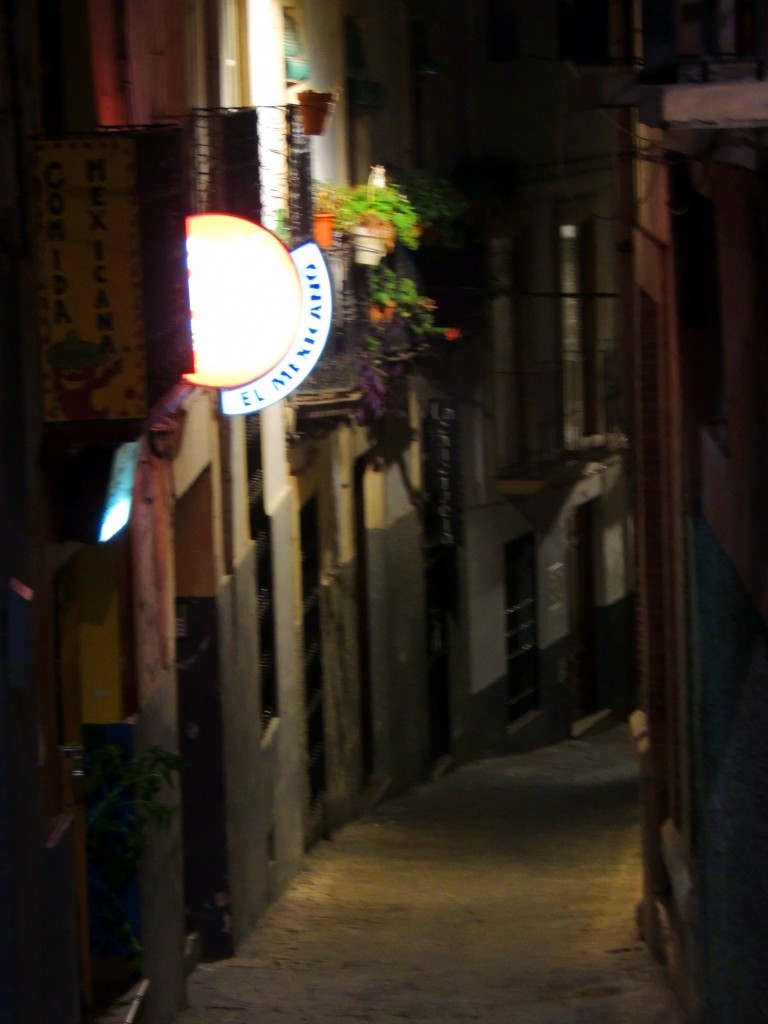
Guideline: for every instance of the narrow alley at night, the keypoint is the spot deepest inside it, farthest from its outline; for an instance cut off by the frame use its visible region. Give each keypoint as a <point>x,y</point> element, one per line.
<point>383,503</point>
<point>503,891</point>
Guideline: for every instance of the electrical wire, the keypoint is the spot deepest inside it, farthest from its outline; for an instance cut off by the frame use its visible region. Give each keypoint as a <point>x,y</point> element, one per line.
<point>463,32</point>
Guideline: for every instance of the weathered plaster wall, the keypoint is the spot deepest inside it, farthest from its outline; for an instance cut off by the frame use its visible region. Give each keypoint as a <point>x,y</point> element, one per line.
<point>323,37</point>
<point>486,531</point>
<point>342,695</point>
<point>734,493</point>
<point>161,878</point>
<point>283,746</point>
<point>729,721</point>
<point>246,783</point>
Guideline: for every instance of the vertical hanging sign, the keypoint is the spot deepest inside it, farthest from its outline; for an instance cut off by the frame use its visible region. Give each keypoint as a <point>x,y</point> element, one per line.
<point>93,356</point>
<point>442,513</point>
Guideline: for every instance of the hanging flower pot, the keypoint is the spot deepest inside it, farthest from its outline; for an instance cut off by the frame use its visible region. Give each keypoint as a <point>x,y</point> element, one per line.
<point>370,246</point>
<point>323,229</point>
<point>315,108</point>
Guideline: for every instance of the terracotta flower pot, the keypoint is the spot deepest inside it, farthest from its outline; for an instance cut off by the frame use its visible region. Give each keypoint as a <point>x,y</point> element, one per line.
<point>315,107</point>
<point>323,229</point>
<point>382,312</point>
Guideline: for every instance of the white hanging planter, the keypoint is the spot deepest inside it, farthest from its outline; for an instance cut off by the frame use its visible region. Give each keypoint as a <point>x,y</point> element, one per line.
<point>370,248</point>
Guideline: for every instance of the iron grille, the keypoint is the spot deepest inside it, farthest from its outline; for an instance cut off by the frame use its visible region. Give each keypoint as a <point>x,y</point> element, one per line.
<point>253,162</point>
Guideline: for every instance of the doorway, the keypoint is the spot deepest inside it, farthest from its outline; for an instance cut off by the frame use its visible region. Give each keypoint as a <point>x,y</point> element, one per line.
<point>581,545</point>
<point>313,672</point>
<point>440,595</point>
<point>96,695</point>
<point>521,627</point>
<point>200,723</point>
<point>363,637</point>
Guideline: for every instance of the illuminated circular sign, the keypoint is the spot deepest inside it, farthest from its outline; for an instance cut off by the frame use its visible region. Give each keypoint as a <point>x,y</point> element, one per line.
<point>260,314</point>
<point>306,346</point>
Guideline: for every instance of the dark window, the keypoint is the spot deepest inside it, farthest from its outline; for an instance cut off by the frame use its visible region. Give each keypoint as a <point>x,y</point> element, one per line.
<point>261,533</point>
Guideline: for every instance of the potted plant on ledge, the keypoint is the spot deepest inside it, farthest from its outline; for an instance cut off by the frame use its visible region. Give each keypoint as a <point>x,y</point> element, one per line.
<point>326,199</point>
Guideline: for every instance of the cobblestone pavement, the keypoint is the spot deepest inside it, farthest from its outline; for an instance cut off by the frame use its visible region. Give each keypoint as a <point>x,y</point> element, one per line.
<point>504,892</point>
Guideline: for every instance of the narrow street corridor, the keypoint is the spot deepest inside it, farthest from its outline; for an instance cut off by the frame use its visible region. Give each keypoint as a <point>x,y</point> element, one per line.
<point>503,892</point>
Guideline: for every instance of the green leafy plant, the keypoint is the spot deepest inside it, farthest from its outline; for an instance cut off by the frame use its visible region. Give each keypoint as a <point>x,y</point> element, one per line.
<point>123,808</point>
<point>439,206</point>
<point>395,297</point>
<point>385,210</point>
<point>401,327</point>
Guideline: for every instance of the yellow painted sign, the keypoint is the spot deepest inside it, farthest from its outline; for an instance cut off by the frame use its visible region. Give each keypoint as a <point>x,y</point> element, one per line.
<point>93,352</point>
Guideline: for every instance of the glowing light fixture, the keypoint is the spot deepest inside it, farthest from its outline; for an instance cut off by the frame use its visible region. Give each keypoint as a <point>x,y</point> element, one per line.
<point>305,348</point>
<point>117,505</point>
<point>245,297</point>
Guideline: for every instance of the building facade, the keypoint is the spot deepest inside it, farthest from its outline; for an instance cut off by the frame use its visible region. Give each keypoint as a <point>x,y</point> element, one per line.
<point>686,84</point>
<point>314,605</point>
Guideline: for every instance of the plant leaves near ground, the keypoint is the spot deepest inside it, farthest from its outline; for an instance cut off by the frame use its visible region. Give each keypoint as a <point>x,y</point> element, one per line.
<point>123,808</point>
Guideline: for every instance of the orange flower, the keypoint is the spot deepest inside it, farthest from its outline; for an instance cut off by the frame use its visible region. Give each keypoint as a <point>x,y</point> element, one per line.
<point>452,333</point>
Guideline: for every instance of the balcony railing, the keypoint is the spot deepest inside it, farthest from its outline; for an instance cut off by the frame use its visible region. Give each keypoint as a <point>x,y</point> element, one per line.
<point>668,40</point>
<point>553,412</point>
<point>335,376</point>
<point>704,40</point>
<point>253,162</point>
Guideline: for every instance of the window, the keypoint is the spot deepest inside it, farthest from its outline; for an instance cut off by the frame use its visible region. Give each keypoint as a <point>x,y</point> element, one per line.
<point>233,36</point>
<point>578,326</point>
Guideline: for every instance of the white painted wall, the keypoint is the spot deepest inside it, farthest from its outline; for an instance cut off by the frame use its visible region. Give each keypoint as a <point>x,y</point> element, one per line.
<point>197,440</point>
<point>241,530</point>
<point>614,543</point>
<point>266,69</point>
<point>266,63</point>
<point>552,583</point>
<point>323,37</point>
<point>607,484</point>
<point>486,531</point>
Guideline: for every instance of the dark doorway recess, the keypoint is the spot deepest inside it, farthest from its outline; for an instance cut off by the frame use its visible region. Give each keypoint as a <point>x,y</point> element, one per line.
<point>313,671</point>
<point>584,688</point>
<point>261,532</point>
<point>201,745</point>
<point>440,595</point>
<point>363,637</point>
<point>520,626</point>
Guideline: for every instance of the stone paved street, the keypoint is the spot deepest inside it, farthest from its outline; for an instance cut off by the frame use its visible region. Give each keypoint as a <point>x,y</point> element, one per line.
<point>503,892</point>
